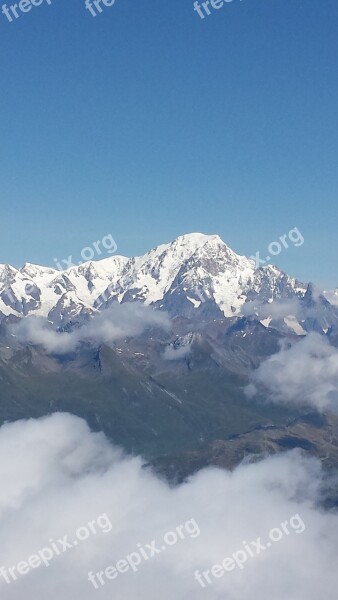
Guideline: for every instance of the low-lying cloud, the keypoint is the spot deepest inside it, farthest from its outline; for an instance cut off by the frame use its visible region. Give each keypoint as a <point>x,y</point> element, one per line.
<point>116,322</point>
<point>56,476</point>
<point>279,309</point>
<point>315,309</point>
<point>304,374</point>
<point>176,353</point>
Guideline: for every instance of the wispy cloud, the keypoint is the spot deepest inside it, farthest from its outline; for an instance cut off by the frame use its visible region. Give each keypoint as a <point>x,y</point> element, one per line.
<point>116,322</point>
<point>173,353</point>
<point>276,310</point>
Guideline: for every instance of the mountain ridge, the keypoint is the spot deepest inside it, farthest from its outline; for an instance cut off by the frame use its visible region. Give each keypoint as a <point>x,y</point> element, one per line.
<point>163,391</point>
<point>194,276</point>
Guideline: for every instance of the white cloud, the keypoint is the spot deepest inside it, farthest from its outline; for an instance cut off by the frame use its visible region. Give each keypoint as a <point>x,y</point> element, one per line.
<point>278,309</point>
<point>56,476</point>
<point>118,321</point>
<point>305,373</point>
<point>173,353</point>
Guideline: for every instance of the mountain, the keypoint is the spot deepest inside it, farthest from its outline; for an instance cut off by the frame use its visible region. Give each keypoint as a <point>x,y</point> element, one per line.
<point>175,395</point>
<point>195,276</point>
<point>332,296</point>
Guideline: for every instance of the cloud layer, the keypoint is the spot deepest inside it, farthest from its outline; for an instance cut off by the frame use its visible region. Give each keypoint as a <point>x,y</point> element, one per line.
<point>304,374</point>
<point>57,476</point>
<point>116,322</point>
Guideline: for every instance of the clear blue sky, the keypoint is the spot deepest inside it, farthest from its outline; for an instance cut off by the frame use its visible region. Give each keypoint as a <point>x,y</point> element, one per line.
<point>147,122</point>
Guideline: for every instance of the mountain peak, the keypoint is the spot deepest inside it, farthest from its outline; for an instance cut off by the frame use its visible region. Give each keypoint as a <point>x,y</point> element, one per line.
<point>196,273</point>
<point>31,270</point>
<point>197,239</point>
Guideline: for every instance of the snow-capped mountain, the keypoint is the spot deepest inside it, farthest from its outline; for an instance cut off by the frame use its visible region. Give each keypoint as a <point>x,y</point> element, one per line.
<point>332,296</point>
<point>196,275</point>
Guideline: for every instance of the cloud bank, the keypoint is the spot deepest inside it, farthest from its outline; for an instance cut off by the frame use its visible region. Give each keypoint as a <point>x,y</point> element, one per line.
<point>56,476</point>
<point>115,322</point>
<point>304,374</point>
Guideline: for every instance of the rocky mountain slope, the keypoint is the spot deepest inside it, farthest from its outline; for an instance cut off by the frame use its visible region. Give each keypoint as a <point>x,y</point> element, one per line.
<point>177,394</point>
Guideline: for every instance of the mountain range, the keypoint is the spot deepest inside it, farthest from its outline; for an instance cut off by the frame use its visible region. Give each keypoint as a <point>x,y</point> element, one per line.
<point>176,395</point>
<point>195,276</point>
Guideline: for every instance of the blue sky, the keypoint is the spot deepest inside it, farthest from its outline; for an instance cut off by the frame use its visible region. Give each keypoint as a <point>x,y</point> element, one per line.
<point>148,122</point>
